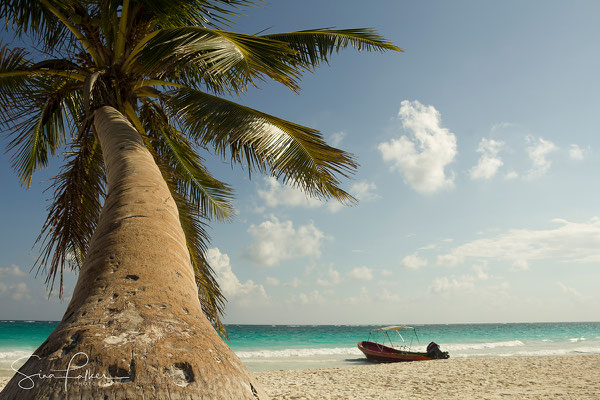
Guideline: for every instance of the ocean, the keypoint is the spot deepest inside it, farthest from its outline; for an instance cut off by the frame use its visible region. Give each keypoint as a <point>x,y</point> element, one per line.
<point>269,347</point>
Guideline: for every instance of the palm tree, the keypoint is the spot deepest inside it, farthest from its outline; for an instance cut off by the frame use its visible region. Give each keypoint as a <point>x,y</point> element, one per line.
<point>132,90</point>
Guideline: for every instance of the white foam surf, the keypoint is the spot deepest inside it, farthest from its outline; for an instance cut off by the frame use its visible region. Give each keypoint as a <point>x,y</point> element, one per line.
<point>480,346</point>
<point>341,351</point>
<point>14,354</point>
<point>298,352</point>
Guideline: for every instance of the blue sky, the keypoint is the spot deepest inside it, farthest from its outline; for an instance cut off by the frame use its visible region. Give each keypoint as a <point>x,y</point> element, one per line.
<point>478,182</point>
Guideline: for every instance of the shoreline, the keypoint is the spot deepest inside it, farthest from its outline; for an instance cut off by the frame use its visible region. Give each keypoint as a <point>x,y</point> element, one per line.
<point>530,377</point>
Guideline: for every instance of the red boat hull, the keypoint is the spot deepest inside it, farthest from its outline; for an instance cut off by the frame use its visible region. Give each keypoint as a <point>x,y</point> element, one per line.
<point>380,353</point>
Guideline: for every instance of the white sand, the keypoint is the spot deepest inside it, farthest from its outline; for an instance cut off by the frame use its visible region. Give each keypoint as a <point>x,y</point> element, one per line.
<point>568,377</point>
<point>576,377</point>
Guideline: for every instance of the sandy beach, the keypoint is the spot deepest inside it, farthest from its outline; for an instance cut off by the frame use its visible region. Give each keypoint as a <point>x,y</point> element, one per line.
<point>565,377</point>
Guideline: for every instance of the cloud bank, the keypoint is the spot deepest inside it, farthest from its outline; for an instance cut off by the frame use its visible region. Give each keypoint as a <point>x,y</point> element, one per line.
<point>570,242</point>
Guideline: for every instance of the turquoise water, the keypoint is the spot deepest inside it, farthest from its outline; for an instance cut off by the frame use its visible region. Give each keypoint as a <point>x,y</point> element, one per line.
<point>263,347</point>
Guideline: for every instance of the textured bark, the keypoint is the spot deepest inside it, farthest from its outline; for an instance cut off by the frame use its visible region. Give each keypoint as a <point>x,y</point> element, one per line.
<point>135,311</point>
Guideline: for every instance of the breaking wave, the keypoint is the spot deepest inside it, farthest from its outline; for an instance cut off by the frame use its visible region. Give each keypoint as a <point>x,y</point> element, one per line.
<point>480,346</point>
<point>14,354</point>
<point>354,350</point>
<point>298,352</point>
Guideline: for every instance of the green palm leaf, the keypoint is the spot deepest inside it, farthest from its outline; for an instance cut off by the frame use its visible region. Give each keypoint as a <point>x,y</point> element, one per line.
<point>207,195</point>
<point>220,59</point>
<point>39,135</point>
<point>15,92</point>
<point>316,45</point>
<point>114,50</point>
<point>173,13</point>
<point>32,18</point>
<point>259,140</point>
<point>73,214</point>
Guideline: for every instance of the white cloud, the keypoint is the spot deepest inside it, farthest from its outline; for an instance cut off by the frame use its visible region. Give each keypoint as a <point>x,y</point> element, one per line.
<point>228,281</point>
<point>537,152</point>
<point>386,272</point>
<point>510,175</point>
<point>361,273</point>
<point>277,194</point>
<point>576,153</point>
<point>333,278</point>
<point>480,273</point>
<point>422,159</point>
<point>462,283</point>
<point>570,242</point>
<point>569,291</point>
<point>270,281</point>
<point>334,206</point>
<point>502,125</point>
<point>519,265</point>
<point>337,138</point>
<point>362,297</point>
<point>413,261</point>
<point>275,241</point>
<point>13,270</point>
<point>362,190</point>
<point>314,297</point>
<point>293,283</point>
<point>445,284</point>
<point>386,296</point>
<point>274,194</point>
<point>18,291</point>
<point>448,260</point>
<point>489,162</point>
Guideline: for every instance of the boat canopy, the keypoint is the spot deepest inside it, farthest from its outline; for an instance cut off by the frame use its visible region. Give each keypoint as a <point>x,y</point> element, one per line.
<point>394,328</point>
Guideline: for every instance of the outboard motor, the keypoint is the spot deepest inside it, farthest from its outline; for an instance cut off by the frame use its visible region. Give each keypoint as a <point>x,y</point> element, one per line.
<point>433,351</point>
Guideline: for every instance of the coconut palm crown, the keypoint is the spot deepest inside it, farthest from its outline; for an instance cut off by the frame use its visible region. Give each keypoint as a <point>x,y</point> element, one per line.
<point>163,64</point>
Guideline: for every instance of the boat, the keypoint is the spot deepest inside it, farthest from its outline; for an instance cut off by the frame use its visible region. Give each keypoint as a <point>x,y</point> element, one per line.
<point>400,339</point>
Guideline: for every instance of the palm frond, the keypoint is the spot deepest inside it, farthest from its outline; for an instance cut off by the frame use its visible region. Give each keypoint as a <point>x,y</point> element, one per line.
<point>261,141</point>
<point>40,133</point>
<point>14,88</point>
<point>222,60</point>
<point>57,64</point>
<point>30,17</point>
<point>316,45</point>
<point>73,214</point>
<point>209,197</point>
<point>174,13</point>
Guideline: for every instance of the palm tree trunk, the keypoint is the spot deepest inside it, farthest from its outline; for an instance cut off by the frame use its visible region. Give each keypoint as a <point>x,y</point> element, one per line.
<point>134,327</point>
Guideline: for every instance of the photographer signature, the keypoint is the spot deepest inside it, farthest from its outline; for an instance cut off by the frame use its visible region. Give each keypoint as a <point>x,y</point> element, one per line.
<point>28,383</point>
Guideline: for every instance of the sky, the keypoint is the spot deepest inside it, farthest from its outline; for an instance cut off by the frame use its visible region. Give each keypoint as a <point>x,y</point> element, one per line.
<point>479,156</point>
